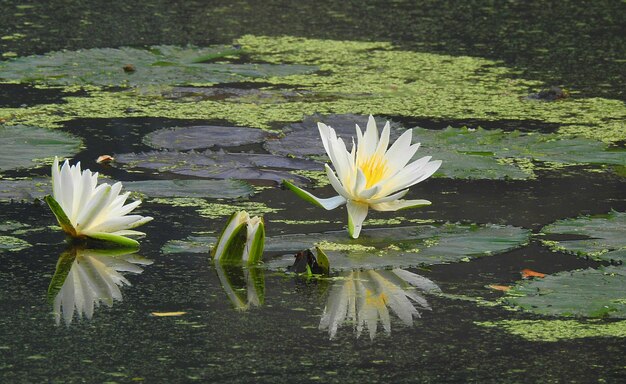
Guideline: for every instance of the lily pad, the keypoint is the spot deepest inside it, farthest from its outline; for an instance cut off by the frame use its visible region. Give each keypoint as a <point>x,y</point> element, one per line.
<point>481,153</point>
<point>216,189</point>
<point>303,139</point>
<point>24,190</point>
<point>203,137</point>
<point>25,146</point>
<point>219,165</point>
<point>159,65</point>
<point>398,247</point>
<point>601,237</point>
<point>581,293</point>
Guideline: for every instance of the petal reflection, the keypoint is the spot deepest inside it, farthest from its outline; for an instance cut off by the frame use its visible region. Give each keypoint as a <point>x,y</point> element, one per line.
<point>85,278</point>
<point>365,298</point>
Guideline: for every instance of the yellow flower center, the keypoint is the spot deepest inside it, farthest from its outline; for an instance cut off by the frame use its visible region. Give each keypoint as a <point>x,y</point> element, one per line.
<point>374,169</point>
<point>375,300</point>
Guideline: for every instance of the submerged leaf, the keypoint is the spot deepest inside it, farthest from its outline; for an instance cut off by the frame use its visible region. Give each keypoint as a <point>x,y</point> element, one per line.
<point>303,139</point>
<point>219,165</point>
<point>203,137</point>
<point>216,189</point>
<point>24,146</point>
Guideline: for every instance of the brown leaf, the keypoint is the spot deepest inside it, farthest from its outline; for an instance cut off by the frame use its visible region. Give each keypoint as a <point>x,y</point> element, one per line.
<point>528,273</point>
<point>104,159</point>
<point>502,288</point>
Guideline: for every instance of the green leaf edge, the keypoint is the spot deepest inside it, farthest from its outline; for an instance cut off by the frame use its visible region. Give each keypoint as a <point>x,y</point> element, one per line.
<point>60,215</point>
<point>301,194</point>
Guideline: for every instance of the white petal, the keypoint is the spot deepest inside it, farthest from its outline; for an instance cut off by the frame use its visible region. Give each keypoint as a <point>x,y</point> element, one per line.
<point>356,215</point>
<point>56,180</point>
<point>401,152</point>
<point>406,177</point>
<point>399,204</point>
<point>334,181</point>
<point>67,189</point>
<point>93,208</point>
<point>325,135</point>
<point>395,196</point>
<point>384,141</point>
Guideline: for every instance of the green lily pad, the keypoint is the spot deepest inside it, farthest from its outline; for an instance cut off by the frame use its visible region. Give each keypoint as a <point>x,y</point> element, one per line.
<point>602,237</point>
<point>12,244</point>
<point>398,247</point>
<point>581,293</point>
<point>401,247</point>
<point>203,137</point>
<point>303,139</point>
<point>219,165</point>
<point>216,189</point>
<point>495,154</point>
<point>25,146</point>
<point>159,65</point>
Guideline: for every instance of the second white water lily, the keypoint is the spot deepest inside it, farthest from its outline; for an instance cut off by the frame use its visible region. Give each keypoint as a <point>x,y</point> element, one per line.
<point>85,209</point>
<point>371,175</point>
<point>242,240</point>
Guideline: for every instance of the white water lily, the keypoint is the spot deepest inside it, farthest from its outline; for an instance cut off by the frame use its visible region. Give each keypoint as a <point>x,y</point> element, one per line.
<point>363,298</point>
<point>85,209</point>
<point>242,240</point>
<point>93,278</point>
<point>370,175</point>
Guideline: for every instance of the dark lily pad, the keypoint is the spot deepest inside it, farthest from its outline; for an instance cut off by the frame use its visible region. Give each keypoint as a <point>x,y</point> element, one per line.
<point>216,189</point>
<point>159,65</point>
<point>583,293</point>
<point>24,146</point>
<point>219,165</point>
<point>203,137</point>
<point>26,190</point>
<point>601,237</point>
<point>192,244</point>
<point>303,139</point>
<point>384,247</point>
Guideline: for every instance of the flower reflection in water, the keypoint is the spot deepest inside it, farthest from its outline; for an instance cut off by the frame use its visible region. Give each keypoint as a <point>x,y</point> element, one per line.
<point>363,298</point>
<point>244,286</point>
<point>84,278</point>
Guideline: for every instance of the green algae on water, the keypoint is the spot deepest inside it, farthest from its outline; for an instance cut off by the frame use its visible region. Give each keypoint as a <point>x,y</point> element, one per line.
<point>364,78</point>
<point>556,330</point>
<point>214,210</point>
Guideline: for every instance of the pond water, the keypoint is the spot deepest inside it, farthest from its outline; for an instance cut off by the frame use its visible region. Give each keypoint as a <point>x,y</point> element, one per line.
<point>515,273</point>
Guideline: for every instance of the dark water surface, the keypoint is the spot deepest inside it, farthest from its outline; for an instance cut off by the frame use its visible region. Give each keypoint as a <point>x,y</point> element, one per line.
<point>574,44</point>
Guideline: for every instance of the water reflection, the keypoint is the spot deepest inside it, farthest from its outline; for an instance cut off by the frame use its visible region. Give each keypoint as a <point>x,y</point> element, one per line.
<point>363,298</point>
<point>85,278</point>
<point>244,286</point>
